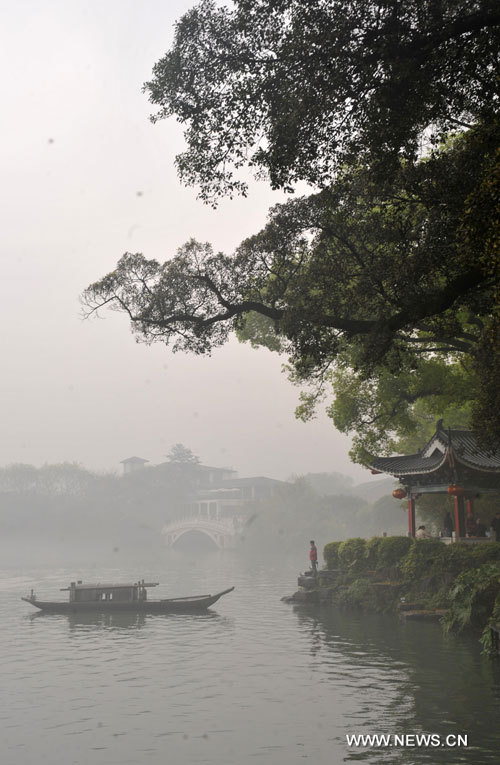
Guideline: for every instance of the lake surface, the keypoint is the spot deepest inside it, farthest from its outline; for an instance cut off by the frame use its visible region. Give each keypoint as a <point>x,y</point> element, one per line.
<point>253,681</point>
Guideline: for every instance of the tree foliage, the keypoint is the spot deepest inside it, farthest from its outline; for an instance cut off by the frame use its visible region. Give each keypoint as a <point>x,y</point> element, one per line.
<point>295,89</point>
<point>357,261</point>
<point>64,479</point>
<point>385,282</point>
<point>365,285</point>
<point>473,597</point>
<point>463,579</point>
<point>181,454</point>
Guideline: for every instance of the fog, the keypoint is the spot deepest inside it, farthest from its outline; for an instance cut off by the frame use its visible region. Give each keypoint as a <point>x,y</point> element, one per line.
<point>61,510</point>
<point>87,177</point>
<point>107,675</point>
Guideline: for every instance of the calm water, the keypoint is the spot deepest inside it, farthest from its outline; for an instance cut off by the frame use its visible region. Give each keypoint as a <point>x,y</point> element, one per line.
<point>254,681</point>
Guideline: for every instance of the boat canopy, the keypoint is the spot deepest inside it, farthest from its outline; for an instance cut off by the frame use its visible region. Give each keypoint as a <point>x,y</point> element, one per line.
<point>107,586</point>
<point>108,591</point>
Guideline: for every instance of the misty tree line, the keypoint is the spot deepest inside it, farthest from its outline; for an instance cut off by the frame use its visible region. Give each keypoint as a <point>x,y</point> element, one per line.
<point>67,500</point>
<point>68,497</point>
<point>297,513</point>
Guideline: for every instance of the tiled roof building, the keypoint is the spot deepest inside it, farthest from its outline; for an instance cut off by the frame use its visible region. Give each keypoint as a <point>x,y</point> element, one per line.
<point>452,462</point>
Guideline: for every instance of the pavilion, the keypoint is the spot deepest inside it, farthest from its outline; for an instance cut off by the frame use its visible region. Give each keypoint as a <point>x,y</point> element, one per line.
<point>452,463</point>
<point>131,464</point>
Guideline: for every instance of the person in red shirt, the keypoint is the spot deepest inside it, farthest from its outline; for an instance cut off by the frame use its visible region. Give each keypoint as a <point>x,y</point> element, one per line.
<point>313,557</point>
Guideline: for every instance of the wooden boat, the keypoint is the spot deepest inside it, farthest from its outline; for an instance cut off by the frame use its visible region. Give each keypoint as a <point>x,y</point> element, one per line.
<point>111,598</point>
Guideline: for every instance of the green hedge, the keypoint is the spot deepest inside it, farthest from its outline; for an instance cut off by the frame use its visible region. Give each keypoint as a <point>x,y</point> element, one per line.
<point>486,553</point>
<point>387,552</point>
<point>473,596</point>
<point>331,554</point>
<point>423,557</point>
<point>411,557</point>
<point>434,558</point>
<point>359,555</point>
<point>352,555</point>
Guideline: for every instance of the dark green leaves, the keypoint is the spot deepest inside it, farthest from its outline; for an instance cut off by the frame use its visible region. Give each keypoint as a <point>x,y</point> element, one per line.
<point>298,88</point>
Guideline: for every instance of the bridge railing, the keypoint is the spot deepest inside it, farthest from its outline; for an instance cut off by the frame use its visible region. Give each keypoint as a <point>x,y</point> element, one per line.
<point>224,526</point>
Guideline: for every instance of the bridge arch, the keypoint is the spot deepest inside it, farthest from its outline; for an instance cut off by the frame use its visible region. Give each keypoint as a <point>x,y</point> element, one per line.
<point>221,532</point>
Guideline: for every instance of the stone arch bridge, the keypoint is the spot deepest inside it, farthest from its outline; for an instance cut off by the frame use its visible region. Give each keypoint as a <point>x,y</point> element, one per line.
<point>222,531</point>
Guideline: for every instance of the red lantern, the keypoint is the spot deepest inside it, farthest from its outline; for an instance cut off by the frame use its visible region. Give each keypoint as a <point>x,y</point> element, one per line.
<point>456,491</point>
<point>399,494</point>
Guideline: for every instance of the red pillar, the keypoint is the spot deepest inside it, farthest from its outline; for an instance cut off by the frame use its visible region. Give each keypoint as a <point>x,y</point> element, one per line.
<point>469,504</point>
<point>459,517</point>
<point>411,516</point>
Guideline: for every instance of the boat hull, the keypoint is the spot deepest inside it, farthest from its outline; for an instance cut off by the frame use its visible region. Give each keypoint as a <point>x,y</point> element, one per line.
<point>172,605</point>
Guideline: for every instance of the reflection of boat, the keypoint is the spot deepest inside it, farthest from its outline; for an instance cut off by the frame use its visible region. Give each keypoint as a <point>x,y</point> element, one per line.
<point>119,620</point>
<point>112,598</point>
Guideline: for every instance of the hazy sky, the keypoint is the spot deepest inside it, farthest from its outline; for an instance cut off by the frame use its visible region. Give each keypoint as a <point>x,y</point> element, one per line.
<point>86,177</point>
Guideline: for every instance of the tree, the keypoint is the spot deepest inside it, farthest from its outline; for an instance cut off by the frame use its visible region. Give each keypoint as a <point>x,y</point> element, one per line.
<point>65,479</point>
<point>295,89</point>
<point>397,412</point>
<point>180,454</point>
<point>384,283</point>
<point>18,478</point>
<point>366,284</point>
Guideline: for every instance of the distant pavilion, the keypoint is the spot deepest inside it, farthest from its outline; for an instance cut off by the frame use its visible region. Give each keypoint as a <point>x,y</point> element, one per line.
<point>131,464</point>
<point>451,463</point>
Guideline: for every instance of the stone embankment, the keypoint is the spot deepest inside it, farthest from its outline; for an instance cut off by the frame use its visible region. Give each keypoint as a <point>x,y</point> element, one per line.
<point>315,589</point>
<point>325,589</point>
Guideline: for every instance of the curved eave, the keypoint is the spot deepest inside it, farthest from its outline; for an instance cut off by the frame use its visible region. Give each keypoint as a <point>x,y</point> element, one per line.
<point>481,468</point>
<point>413,464</point>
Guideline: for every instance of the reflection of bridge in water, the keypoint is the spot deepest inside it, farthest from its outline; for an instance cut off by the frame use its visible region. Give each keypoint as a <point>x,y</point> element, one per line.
<point>221,531</point>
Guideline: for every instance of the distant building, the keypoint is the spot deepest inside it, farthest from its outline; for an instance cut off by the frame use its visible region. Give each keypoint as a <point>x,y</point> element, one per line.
<point>202,476</point>
<point>233,496</point>
<point>221,507</point>
<point>213,476</point>
<point>254,487</point>
<point>131,464</point>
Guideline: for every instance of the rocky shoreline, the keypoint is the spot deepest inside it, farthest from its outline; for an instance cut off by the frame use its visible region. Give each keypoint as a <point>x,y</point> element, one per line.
<point>324,590</point>
<point>456,585</point>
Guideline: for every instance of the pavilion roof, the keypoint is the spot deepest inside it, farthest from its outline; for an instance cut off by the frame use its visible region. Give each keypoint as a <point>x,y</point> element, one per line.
<point>445,446</point>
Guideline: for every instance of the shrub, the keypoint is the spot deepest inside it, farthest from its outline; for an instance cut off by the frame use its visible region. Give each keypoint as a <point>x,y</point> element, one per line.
<point>362,594</point>
<point>422,556</point>
<point>352,555</point>
<point>455,559</point>
<point>473,596</point>
<point>387,552</point>
<point>393,550</point>
<point>452,559</point>
<point>331,554</point>
<point>359,593</point>
<point>372,551</point>
<point>487,638</point>
<point>486,553</point>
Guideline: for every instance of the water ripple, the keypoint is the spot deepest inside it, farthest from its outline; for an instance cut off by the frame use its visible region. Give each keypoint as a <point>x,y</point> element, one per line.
<point>254,680</point>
